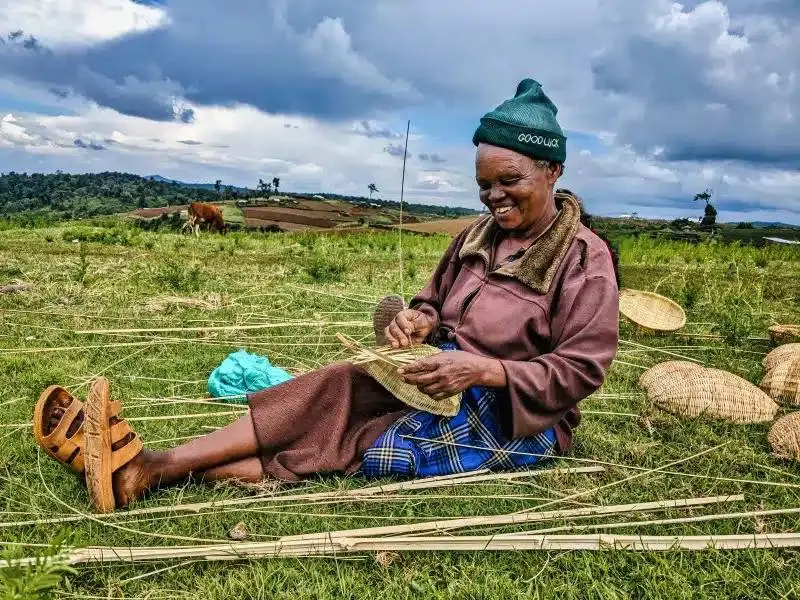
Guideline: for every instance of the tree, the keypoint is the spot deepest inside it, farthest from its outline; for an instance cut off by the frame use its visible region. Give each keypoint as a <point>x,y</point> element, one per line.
<point>709,213</point>
<point>217,185</point>
<point>276,181</point>
<point>264,187</point>
<point>372,188</point>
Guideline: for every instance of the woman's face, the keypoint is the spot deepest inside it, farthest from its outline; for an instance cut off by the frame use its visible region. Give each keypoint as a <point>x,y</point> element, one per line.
<point>514,188</point>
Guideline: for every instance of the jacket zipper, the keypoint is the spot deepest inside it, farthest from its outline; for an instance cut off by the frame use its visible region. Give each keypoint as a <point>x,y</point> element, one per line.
<point>474,294</point>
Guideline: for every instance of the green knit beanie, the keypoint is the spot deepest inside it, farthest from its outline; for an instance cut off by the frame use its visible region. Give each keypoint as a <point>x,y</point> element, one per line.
<point>526,124</point>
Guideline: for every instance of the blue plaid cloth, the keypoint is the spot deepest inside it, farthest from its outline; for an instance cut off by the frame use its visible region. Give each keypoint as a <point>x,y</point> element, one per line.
<point>421,444</point>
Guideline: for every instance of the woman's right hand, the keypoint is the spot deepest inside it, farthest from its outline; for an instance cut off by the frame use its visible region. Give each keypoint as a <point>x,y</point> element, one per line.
<point>409,326</point>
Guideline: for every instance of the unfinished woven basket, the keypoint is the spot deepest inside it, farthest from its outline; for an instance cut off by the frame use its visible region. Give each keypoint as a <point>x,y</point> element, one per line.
<point>382,364</point>
<point>782,382</point>
<point>785,333</point>
<point>784,436</point>
<point>714,393</point>
<point>781,354</point>
<point>662,371</point>
<point>650,311</point>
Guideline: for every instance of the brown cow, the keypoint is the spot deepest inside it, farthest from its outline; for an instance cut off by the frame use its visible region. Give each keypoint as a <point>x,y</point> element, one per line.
<point>202,212</point>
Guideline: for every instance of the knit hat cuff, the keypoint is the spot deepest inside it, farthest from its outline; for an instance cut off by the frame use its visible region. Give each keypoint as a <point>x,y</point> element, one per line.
<point>535,143</point>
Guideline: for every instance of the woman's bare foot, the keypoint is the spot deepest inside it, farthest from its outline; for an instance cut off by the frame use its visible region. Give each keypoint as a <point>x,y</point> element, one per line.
<point>57,409</point>
<point>135,479</point>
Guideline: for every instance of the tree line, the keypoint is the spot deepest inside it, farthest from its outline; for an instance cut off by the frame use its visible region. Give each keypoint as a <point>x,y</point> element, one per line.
<point>70,196</point>
<point>41,198</point>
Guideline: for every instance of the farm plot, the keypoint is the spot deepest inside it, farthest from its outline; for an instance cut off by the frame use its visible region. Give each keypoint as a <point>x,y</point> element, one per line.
<point>313,218</point>
<point>449,226</point>
<point>281,296</point>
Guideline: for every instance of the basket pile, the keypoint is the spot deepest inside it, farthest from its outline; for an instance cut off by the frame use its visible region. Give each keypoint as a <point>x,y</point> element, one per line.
<point>382,364</point>
<point>782,382</point>
<point>650,311</point>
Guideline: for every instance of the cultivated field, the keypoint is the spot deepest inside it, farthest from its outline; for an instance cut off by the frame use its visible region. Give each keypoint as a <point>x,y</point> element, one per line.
<point>109,278</point>
<point>449,226</point>
<point>290,214</point>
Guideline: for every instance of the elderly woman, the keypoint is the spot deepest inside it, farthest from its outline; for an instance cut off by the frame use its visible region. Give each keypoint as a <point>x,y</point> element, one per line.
<point>524,302</point>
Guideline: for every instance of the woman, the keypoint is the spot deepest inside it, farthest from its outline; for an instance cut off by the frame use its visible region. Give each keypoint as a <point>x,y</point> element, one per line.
<point>525,303</point>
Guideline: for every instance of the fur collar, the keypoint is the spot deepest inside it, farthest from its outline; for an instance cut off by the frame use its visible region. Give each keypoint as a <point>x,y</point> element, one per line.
<point>539,264</point>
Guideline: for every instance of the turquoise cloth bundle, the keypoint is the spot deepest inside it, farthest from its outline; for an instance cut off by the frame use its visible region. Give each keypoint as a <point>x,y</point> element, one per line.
<point>241,373</point>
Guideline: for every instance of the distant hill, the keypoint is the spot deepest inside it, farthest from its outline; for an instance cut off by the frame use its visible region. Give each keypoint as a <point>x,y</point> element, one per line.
<point>774,225</point>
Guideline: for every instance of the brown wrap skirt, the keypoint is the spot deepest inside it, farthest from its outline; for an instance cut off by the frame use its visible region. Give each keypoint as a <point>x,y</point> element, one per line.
<point>321,422</point>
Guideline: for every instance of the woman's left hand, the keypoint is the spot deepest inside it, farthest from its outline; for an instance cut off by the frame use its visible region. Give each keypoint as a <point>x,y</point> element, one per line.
<point>449,373</point>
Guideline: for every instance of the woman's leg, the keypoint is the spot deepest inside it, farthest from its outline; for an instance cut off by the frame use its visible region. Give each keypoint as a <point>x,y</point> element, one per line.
<point>228,452</point>
<point>249,470</point>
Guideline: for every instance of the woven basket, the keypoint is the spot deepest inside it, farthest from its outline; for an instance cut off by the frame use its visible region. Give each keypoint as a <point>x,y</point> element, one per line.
<point>714,393</point>
<point>650,311</point>
<point>785,333</point>
<point>784,437</point>
<point>655,375</point>
<point>781,354</point>
<point>382,364</point>
<point>782,382</point>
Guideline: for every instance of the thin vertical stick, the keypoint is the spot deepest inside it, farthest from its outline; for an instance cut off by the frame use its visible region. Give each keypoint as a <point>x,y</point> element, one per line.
<point>400,229</point>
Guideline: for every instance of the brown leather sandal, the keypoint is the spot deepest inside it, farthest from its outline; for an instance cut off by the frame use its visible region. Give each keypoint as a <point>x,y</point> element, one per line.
<point>66,450</point>
<point>101,457</point>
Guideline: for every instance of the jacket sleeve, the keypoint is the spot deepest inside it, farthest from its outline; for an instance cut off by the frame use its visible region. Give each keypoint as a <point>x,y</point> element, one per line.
<point>429,300</point>
<point>585,335</point>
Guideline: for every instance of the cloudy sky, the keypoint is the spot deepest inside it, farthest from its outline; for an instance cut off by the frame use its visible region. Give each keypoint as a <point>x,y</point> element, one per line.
<point>659,100</point>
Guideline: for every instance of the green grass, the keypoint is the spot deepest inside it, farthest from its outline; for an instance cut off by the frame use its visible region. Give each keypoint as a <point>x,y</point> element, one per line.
<point>106,280</point>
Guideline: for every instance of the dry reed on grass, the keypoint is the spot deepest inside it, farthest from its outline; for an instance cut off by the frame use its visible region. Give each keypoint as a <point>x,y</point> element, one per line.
<point>352,495</point>
<point>250,550</point>
<point>212,301</point>
<point>280,325</point>
<point>515,518</point>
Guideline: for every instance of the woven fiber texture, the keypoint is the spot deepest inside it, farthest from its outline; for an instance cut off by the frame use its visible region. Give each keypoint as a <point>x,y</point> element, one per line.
<point>714,393</point>
<point>781,354</point>
<point>382,364</point>
<point>784,437</point>
<point>782,382</point>
<point>661,374</point>
<point>651,311</point>
<point>785,333</point>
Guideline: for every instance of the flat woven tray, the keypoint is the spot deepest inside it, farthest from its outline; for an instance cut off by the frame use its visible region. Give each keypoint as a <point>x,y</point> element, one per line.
<point>382,364</point>
<point>651,311</point>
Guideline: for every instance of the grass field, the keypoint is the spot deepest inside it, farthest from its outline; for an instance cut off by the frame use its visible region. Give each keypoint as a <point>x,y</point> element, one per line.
<point>109,277</point>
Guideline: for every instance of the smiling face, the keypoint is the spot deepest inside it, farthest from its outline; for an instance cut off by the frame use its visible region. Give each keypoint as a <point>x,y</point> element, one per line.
<point>516,189</point>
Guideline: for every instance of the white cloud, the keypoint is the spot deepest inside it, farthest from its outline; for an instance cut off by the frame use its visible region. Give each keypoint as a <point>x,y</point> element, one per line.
<point>70,23</point>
